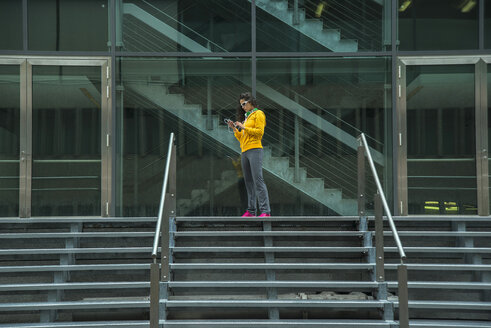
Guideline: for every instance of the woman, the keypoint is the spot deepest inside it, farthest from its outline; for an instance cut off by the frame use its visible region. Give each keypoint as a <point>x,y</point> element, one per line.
<point>251,122</point>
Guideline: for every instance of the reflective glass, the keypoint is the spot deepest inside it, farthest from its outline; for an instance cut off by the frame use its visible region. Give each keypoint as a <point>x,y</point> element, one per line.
<point>438,24</point>
<point>68,25</point>
<point>325,104</point>
<point>9,140</point>
<point>332,26</point>
<point>66,140</point>
<point>11,25</point>
<point>185,25</point>
<point>487,24</point>
<point>190,97</point>
<point>441,143</point>
<point>489,125</point>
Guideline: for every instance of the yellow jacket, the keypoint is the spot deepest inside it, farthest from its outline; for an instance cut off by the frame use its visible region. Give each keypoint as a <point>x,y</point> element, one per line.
<point>251,136</point>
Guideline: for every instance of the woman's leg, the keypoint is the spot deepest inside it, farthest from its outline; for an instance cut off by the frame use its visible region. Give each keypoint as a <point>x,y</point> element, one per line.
<point>256,163</point>
<point>249,183</point>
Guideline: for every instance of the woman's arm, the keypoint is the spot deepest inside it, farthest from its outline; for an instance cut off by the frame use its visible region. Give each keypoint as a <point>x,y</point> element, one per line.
<point>258,129</point>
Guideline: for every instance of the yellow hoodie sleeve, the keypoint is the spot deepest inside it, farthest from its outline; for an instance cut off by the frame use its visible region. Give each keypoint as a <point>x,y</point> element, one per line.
<point>238,134</point>
<point>258,129</point>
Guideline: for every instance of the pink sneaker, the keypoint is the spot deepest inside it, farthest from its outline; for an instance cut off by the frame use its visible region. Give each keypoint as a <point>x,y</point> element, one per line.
<point>264,215</point>
<point>247,214</point>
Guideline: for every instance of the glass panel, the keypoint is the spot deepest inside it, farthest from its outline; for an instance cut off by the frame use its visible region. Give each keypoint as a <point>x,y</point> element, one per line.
<point>68,25</point>
<point>487,24</point>
<point>438,24</point>
<point>9,140</point>
<point>333,101</point>
<point>489,127</point>
<point>334,25</point>
<point>66,140</point>
<point>441,145</point>
<point>186,25</point>
<point>11,25</point>
<point>189,97</point>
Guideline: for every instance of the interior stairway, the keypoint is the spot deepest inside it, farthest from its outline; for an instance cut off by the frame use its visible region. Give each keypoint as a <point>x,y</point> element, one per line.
<point>314,187</point>
<point>312,28</point>
<point>278,166</point>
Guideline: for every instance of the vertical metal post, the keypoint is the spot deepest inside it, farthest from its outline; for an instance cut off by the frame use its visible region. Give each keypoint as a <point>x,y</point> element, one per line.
<point>154,295</point>
<point>403,296</point>
<point>164,239</point>
<point>169,211</point>
<point>209,122</point>
<point>296,16</point>
<point>379,239</point>
<point>297,150</point>
<point>361,181</point>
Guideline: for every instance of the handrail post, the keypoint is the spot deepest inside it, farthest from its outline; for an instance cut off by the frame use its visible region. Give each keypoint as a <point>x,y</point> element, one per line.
<point>403,296</point>
<point>361,180</point>
<point>379,239</point>
<point>154,295</point>
<point>160,277</point>
<point>169,211</point>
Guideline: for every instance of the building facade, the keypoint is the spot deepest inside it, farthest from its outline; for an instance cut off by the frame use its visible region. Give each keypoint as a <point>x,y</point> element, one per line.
<point>91,90</point>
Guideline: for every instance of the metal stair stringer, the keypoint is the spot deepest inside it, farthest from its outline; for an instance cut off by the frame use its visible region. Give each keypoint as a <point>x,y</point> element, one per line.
<point>278,166</point>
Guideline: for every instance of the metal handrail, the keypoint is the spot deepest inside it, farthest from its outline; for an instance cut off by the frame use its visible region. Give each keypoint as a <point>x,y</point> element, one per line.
<point>384,200</point>
<point>162,199</point>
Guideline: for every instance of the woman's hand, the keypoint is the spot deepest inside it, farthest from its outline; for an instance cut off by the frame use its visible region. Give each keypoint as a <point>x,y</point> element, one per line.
<point>231,124</point>
<point>240,125</point>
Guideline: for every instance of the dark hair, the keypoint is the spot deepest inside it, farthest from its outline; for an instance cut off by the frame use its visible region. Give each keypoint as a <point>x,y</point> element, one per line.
<point>247,96</point>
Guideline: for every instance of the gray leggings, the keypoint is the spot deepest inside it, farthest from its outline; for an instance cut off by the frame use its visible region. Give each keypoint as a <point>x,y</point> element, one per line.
<point>252,168</point>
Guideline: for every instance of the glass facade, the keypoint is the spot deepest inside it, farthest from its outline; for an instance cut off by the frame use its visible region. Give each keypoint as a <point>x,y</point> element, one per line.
<point>487,24</point>
<point>9,139</point>
<point>438,24</point>
<point>10,25</point>
<point>323,26</point>
<point>185,25</point>
<point>68,25</point>
<point>66,143</point>
<point>441,133</point>
<point>322,71</point>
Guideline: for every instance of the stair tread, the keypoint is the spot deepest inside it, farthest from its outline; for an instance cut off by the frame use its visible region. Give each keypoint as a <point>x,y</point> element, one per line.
<point>75,305</point>
<point>99,250</point>
<point>75,285</point>
<point>227,233</point>
<point>82,324</point>
<point>275,303</point>
<point>269,249</point>
<point>41,235</point>
<point>260,284</point>
<point>78,267</point>
<point>278,266</point>
<point>280,323</point>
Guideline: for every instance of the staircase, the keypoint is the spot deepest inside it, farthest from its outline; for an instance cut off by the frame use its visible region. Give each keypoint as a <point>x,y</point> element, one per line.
<point>312,28</point>
<point>309,183</point>
<point>319,272</point>
<point>276,272</point>
<point>278,166</point>
<point>75,272</point>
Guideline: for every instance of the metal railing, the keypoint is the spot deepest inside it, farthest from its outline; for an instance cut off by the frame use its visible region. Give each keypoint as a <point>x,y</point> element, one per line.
<point>380,203</point>
<point>159,272</point>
